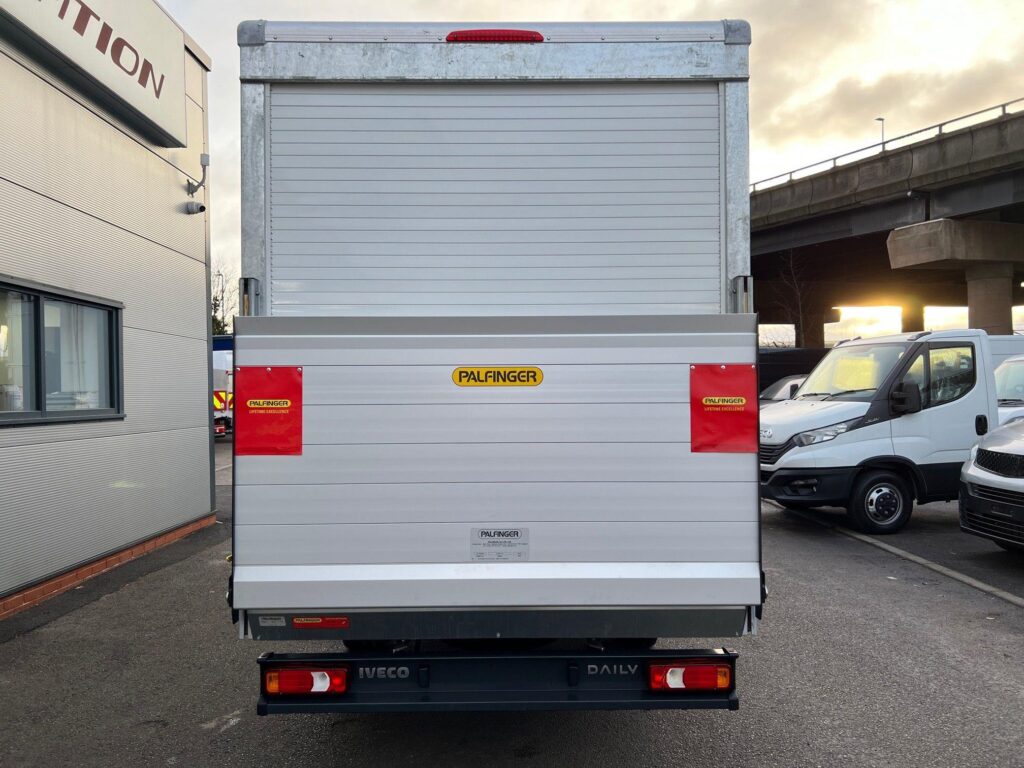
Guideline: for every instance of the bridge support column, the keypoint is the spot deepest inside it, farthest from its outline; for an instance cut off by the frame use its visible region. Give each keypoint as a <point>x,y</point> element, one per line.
<point>912,314</point>
<point>990,297</point>
<point>988,252</point>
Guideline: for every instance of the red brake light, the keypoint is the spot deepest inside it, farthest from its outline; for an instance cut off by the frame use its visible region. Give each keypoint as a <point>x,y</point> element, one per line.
<point>320,622</point>
<point>690,676</point>
<point>494,36</point>
<point>285,681</point>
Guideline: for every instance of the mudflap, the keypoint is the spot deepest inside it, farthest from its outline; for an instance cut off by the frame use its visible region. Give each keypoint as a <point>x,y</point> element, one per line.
<point>496,681</point>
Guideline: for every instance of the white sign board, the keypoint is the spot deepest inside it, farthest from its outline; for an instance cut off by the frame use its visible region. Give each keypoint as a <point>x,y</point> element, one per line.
<point>131,48</point>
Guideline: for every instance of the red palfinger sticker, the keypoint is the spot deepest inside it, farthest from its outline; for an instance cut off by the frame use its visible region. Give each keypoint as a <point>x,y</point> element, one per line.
<point>723,408</point>
<point>268,411</point>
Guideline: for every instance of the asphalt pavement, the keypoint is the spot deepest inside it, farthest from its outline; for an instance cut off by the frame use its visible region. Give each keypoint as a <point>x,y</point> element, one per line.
<point>863,659</point>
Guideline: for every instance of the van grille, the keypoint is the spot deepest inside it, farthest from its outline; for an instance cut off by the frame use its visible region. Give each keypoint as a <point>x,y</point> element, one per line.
<point>769,454</point>
<point>992,525</point>
<point>1005,464</point>
<point>998,495</point>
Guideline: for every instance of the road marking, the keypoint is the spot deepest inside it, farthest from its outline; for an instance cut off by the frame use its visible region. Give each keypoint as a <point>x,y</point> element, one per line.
<point>226,466</point>
<point>963,578</point>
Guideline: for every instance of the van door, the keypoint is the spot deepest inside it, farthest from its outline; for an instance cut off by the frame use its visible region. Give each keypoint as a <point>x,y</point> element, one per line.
<point>938,438</point>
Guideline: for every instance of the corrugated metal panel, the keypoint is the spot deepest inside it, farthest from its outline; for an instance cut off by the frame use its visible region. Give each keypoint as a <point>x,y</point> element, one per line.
<point>55,245</point>
<point>618,542</point>
<point>87,206</point>
<point>53,145</point>
<point>165,388</point>
<point>68,502</point>
<point>503,199</point>
<point>398,464</point>
<point>512,503</point>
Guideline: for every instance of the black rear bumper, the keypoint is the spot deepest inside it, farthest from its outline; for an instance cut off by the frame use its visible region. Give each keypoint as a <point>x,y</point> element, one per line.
<point>508,681</point>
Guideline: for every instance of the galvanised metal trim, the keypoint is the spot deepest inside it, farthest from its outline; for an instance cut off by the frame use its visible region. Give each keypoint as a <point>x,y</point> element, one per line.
<point>303,51</point>
<point>260,32</point>
<point>735,195</point>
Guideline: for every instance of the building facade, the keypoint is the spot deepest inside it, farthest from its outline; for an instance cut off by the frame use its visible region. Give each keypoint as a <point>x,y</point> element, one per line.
<point>105,437</point>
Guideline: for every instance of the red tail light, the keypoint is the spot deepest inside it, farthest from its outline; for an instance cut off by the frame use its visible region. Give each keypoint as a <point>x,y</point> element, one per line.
<point>320,622</point>
<point>690,676</point>
<point>494,36</point>
<point>285,681</point>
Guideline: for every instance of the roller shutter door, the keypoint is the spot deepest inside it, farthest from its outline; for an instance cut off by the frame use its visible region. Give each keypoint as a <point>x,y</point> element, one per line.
<point>497,199</point>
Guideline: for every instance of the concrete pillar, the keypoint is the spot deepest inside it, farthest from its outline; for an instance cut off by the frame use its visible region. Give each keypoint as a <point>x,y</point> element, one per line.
<point>990,297</point>
<point>988,253</point>
<point>912,314</point>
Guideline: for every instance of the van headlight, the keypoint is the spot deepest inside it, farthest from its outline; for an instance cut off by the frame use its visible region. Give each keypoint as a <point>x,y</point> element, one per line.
<point>823,435</point>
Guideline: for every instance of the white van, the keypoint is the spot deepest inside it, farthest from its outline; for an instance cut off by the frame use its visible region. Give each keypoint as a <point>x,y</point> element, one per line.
<point>880,423</point>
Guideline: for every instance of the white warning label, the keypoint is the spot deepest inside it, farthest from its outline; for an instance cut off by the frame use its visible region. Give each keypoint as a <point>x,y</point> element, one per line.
<point>502,544</point>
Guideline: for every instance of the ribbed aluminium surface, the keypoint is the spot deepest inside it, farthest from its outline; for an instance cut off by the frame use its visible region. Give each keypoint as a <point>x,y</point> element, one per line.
<point>495,199</point>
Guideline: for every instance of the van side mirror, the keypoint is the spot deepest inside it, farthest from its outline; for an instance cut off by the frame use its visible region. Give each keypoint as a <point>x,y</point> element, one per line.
<point>792,389</point>
<point>906,398</point>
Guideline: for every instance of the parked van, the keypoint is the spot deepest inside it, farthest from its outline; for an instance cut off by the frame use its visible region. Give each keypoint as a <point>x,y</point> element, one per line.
<point>881,423</point>
<point>992,488</point>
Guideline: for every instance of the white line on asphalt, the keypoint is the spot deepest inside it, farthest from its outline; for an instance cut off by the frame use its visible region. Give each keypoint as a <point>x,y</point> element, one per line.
<point>226,466</point>
<point>949,572</point>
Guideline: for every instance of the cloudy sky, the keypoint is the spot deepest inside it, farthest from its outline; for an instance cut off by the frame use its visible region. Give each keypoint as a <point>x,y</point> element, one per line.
<point>821,70</point>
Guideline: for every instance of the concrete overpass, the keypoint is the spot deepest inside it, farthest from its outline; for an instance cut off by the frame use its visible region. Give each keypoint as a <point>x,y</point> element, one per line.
<point>911,222</point>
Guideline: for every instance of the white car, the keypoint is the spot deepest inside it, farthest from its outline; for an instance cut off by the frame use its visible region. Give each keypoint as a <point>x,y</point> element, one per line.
<point>1010,389</point>
<point>992,488</point>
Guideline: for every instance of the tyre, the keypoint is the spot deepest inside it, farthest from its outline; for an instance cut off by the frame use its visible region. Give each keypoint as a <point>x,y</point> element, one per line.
<point>1009,546</point>
<point>881,502</point>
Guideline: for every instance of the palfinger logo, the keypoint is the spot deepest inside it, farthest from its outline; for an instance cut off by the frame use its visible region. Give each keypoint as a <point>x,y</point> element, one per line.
<point>498,376</point>
<point>724,400</point>
<point>264,404</point>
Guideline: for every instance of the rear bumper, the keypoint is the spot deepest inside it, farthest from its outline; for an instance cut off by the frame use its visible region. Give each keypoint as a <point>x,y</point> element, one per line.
<point>991,519</point>
<point>821,487</point>
<point>500,681</point>
<point>484,624</point>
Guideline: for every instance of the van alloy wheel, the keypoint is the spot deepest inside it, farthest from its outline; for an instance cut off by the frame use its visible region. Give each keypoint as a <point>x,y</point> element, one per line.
<point>880,502</point>
<point>883,503</point>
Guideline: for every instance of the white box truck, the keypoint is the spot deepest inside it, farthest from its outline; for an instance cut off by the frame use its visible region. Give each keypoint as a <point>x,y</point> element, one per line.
<point>496,407</point>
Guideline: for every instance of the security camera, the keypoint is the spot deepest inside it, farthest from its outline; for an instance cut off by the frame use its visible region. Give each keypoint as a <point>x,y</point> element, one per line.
<point>193,207</point>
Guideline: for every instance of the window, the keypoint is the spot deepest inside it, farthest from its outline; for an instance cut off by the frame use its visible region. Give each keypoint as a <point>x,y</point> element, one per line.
<point>854,372</point>
<point>951,373</point>
<point>944,374</point>
<point>60,357</point>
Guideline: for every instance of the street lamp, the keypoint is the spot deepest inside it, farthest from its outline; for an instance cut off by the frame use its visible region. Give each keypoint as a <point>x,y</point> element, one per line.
<point>882,121</point>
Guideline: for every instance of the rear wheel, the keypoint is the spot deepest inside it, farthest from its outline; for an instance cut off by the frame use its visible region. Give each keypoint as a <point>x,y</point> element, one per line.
<point>881,502</point>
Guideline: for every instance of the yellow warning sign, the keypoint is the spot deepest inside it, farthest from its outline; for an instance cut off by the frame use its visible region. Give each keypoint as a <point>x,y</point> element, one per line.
<point>498,376</point>
<point>220,399</point>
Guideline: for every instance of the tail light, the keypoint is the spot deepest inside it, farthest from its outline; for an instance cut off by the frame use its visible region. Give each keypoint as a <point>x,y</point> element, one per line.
<point>299,681</point>
<point>690,676</point>
<point>495,36</point>
<point>320,622</point>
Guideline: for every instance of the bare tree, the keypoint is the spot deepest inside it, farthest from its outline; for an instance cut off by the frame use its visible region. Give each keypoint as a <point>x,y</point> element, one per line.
<point>791,296</point>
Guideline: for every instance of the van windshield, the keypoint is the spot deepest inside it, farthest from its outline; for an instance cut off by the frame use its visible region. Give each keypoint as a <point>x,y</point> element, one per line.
<point>852,373</point>
<point>1010,382</point>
